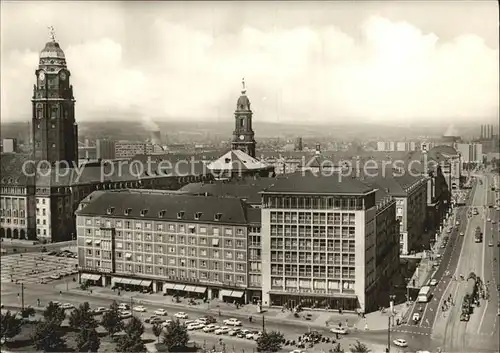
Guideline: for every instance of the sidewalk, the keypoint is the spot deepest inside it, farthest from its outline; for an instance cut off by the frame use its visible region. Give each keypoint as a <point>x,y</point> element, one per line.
<point>308,318</point>
<point>379,321</point>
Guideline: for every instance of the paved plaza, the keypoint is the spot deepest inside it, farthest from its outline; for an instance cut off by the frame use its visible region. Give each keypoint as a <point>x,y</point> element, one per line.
<point>36,268</point>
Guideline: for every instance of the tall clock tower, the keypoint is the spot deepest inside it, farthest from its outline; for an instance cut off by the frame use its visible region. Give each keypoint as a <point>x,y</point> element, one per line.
<point>243,134</point>
<point>55,132</point>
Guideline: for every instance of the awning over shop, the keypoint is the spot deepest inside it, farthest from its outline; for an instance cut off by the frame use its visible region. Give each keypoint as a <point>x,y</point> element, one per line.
<point>126,281</point>
<point>135,282</point>
<point>225,293</point>
<point>179,286</point>
<point>169,286</point>
<point>117,280</point>
<point>145,283</point>
<point>90,277</point>
<point>200,289</point>
<point>237,294</point>
<point>189,288</point>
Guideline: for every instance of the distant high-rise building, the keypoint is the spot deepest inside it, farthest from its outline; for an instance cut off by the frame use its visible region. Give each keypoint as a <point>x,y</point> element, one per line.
<point>298,144</point>
<point>9,145</point>
<point>55,132</point>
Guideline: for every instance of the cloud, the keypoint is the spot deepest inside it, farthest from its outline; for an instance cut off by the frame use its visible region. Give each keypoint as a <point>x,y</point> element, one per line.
<point>392,72</point>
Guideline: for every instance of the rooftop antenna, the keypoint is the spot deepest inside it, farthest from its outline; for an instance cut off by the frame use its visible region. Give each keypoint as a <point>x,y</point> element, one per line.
<point>52,33</point>
<point>244,90</point>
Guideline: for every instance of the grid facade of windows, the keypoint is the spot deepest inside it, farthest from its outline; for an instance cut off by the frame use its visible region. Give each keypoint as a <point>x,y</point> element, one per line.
<point>211,254</point>
<point>312,252</point>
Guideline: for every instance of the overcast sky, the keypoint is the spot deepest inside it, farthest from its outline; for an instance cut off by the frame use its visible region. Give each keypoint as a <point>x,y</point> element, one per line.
<point>316,61</point>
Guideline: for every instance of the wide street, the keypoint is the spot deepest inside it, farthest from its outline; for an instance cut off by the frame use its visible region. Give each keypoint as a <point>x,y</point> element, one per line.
<point>291,330</point>
<point>444,273</point>
<point>475,335</point>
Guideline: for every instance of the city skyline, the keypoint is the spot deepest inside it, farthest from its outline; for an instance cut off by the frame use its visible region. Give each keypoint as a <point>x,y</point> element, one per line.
<point>169,61</point>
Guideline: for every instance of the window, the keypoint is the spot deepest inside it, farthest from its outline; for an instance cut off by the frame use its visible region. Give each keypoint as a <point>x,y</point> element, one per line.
<point>228,243</point>
<point>229,255</point>
<point>215,242</point>
<point>228,231</point>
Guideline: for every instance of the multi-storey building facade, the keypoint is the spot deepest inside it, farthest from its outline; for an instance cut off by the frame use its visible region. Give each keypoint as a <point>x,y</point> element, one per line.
<point>319,243</point>
<point>129,149</point>
<point>410,193</point>
<point>188,244</point>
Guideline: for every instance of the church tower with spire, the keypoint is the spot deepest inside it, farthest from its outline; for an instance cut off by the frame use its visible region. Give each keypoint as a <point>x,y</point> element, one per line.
<point>55,132</point>
<point>243,134</point>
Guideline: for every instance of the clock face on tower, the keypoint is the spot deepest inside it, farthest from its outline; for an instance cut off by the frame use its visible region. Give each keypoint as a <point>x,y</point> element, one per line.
<point>42,76</point>
<point>63,76</point>
<point>242,137</point>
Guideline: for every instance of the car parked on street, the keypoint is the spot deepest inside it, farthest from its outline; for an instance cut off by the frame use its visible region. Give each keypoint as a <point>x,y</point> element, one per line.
<point>222,330</point>
<point>210,328</point>
<point>400,342</point>
<point>181,315</point>
<point>140,308</point>
<point>232,322</point>
<point>161,312</point>
<point>338,330</point>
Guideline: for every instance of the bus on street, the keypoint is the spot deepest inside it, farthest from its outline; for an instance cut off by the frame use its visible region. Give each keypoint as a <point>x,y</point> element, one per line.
<point>424,295</point>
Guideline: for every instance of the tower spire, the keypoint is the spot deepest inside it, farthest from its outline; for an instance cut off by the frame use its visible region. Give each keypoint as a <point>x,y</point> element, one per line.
<point>243,90</point>
<point>52,33</point>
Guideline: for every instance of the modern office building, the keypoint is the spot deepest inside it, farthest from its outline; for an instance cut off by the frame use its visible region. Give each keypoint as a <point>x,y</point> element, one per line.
<point>319,243</point>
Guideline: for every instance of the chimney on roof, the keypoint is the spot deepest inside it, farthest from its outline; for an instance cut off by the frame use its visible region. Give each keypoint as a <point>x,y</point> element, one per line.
<point>482,132</point>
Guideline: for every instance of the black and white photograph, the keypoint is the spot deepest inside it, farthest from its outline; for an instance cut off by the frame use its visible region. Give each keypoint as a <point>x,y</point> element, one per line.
<point>250,176</point>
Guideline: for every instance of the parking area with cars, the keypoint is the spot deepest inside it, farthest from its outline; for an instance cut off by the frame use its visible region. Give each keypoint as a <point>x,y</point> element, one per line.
<point>38,268</point>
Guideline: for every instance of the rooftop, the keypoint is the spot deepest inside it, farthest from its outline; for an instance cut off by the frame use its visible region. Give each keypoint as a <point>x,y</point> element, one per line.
<point>310,183</point>
<point>236,160</point>
<point>110,171</point>
<point>159,206</point>
<point>246,189</point>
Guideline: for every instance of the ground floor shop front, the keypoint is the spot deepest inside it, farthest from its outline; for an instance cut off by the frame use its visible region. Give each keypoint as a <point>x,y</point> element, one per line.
<point>196,290</point>
<point>292,301</point>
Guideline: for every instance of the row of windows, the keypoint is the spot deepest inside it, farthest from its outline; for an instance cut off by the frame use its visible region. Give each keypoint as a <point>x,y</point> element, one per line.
<point>306,202</point>
<point>316,244</point>
<point>12,190</point>
<point>304,284</point>
<point>314,231</point>
<point>13,213</point>
<point>181,273</point>
<point>176,228</point>
<point>14,221</point>
<point>314,217</point>
<point>317,271</point>
<point>180,251</point>
<point>315,258</point>
<point>181,239</point>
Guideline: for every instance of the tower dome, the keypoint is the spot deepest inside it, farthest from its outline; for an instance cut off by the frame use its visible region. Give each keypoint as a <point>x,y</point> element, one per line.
<point>52,50</point>
<point>243,102</point>
<point>52,57</point>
